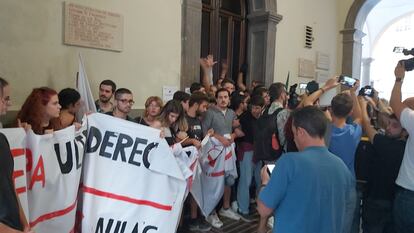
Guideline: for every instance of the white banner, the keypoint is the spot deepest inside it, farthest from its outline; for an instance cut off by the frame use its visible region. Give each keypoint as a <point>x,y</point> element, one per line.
<point>56,164</point>
<point>47,173</point>
<point>132,181</point>
<point>217,162</point>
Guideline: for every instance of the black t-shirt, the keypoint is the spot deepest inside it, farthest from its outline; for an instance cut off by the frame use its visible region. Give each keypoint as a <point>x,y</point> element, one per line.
<point>140,120</point>
<point>246,121</point>
<point>386,164</point>
<point>9,208</point>
<point>195,129</point>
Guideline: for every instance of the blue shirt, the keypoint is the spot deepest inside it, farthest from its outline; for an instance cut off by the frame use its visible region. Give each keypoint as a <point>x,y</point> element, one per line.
<point>344,142</point>
<point>310,191</point>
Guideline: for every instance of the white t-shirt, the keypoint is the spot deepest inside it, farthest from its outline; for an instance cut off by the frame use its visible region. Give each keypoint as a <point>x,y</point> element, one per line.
<point>406,175</point>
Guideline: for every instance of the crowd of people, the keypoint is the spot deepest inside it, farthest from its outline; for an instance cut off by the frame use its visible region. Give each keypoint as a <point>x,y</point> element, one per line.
<point>351,161</point>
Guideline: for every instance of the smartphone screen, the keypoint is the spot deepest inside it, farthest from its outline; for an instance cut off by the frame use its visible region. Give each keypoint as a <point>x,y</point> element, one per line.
<point>270,168</point>
<point>398,49</point>
<point>368,92</point>
<point>347,81</point>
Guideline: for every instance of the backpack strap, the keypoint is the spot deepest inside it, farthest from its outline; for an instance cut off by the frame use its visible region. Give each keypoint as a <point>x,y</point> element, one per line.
<point>276,114</point>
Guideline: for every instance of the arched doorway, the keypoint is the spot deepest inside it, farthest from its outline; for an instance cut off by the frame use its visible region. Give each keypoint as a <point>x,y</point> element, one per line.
<point>254,44</point>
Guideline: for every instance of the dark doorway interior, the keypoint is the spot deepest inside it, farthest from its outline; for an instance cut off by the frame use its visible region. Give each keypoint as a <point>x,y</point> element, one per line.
<point>223,34</point>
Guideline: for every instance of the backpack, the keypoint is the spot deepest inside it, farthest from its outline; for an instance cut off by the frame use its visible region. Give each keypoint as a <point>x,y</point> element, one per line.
<point>266,144</point>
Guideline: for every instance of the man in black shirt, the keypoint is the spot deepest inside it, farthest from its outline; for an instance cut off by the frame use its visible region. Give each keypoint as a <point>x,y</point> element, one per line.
<point>385,165</point>
<point>123,104</point>
<point>245,156</point>
<point>198,104</point>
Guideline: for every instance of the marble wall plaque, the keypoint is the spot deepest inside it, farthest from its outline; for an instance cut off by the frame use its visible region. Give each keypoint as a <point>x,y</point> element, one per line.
<point>94,28</point>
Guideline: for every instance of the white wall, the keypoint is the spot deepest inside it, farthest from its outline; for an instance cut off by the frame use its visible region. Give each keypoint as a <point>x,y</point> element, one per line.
<point>33,54</point>
<point>327,17</point>
<point>290,39</point>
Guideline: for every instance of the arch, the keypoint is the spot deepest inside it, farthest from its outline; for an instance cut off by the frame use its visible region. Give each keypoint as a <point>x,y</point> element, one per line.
<point>352,35</point>
<point>261,40</point>
<point>386,27</point>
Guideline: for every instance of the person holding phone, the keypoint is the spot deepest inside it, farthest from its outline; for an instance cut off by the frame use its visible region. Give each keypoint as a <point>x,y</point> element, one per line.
<point>311,190</point>
<point>404,199</point>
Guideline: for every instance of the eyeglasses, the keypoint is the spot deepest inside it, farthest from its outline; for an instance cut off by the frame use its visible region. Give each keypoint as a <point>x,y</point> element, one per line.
<point>126,101</point>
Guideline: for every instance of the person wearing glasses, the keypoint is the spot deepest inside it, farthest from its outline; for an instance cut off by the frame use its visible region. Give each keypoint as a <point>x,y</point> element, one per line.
<point>123,104</point>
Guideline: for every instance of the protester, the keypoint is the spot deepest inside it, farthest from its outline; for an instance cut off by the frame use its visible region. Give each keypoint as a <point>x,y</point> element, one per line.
<point>220,118</point>
<point>183,98</point>
<point>106,91</point>
<point>6,95</point>
<point>12,218</point>
<point>39,108</point>
<point>229,85</point>
<point>152,110</point>
<point>197,87</point>
<point>248,167</point>
<point>263,92</point>
<point>173,122</point>
<point>197,106</point>
<point>403,209</point>
<point>310,190</point>
<point>383,171</point>
<point>69,99</point>
<point>345,137</point>
<point>123,104</point>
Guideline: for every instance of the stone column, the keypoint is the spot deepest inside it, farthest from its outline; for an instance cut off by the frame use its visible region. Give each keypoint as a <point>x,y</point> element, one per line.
<point>366,71</point>
<point>190,41</point>
<point>261,41</point>
<point>352,52</point>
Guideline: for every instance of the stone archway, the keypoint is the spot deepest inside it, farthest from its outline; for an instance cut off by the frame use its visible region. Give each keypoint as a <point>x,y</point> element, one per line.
<point>261,40</point>
<point>352,35</point>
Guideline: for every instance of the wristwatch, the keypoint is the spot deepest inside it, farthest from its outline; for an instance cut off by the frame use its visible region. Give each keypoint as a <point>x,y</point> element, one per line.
<point>399,79</point>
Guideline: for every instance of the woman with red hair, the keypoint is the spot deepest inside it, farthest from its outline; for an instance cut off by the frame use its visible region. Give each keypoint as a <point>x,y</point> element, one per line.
<point>40,107</point>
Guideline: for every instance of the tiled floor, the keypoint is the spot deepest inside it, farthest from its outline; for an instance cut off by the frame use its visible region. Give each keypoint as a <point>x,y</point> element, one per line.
<point>231,226</point>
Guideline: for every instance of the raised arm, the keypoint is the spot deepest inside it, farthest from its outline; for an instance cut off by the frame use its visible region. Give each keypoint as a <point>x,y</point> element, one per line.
<point>395,101</point>
<point>366,123</point>
<point>356,110</point>
<point>242,74</point>
<point>207,68</point>
<point>309,100</point>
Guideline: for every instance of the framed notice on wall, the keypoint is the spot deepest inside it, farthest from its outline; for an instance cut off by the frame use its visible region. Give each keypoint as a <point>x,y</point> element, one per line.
<point>89,27</point>
<point>322,61</point>
<point>306,68</point>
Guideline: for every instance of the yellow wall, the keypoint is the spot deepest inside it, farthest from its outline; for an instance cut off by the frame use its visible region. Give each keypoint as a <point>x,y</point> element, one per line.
<point>33,54</point>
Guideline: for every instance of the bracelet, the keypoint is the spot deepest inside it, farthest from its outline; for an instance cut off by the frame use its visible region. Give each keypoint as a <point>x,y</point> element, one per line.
<point>323,91</point>
<point>399,79</point>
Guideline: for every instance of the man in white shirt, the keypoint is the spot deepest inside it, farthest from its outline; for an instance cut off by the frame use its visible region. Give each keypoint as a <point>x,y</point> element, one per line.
<point>404,198</point>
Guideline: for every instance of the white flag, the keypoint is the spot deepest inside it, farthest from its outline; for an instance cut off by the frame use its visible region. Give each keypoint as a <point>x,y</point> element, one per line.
<point>82,84</point>
<point>216,162</point>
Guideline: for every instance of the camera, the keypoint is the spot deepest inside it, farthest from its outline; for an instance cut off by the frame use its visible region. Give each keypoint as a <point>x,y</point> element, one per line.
<point>408,63</point>
<point>367,91</point>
